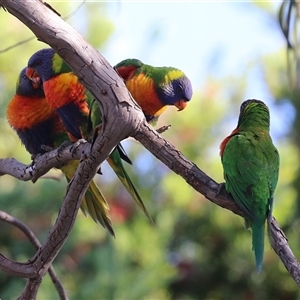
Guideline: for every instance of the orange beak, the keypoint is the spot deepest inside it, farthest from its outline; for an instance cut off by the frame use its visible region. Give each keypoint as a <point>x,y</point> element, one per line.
<point>34,77</point>
<point>181,104</point>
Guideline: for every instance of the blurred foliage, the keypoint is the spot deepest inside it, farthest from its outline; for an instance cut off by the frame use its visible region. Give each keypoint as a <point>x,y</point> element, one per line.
<point>196,250</point>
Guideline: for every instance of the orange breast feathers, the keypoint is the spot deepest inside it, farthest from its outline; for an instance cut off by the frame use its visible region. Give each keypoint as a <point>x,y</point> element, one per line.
<point>226,140</point>
<point>143,91</point>
<point>27,112</point>
<point>64,89</point>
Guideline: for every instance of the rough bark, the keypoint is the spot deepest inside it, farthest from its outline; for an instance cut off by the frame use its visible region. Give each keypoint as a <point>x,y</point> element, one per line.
<point>5,217</point>
<point>122,118</point>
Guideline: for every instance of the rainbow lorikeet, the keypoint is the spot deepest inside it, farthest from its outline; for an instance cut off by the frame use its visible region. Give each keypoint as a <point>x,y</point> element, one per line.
<point>251,165</point>
<point>37,124</point>
<point>74,104</point>
<point>154,88</point>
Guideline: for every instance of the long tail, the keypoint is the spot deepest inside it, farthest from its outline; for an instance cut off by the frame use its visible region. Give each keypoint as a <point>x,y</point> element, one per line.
<point>93,202</point>
<point>116,164</point>
<point>258,241</point>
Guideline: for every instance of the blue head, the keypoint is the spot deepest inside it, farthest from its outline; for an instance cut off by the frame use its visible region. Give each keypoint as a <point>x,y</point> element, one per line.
<point>175,88</point>
<point>25,87</point>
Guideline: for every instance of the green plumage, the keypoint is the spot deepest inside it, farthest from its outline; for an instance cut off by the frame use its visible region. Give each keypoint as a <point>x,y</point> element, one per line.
<point>159,75</point>
<point>251,165</point>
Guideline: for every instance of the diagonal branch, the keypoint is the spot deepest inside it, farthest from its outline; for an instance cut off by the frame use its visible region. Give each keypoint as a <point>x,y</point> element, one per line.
<point>96,73</point>
<point>5,217</point>
<point>41,163</point>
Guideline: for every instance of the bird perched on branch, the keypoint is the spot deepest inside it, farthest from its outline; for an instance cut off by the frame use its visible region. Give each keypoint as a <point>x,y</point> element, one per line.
<point>251,165</point>
<point>76,107</point>
<point>155,88</point>
<point>38,125</point>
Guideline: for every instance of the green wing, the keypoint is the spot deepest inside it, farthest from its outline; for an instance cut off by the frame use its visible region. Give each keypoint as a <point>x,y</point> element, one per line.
<point>127,67</point>
<point>251,167</point>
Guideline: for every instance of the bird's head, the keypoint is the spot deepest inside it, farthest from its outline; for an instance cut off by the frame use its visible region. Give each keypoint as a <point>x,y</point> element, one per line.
<point>45,64</point>
<point>253,113</point>
<point>26,87</point>
<point>175,89</point>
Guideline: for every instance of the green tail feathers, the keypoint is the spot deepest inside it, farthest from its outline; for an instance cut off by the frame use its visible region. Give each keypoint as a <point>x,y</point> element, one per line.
<point>116,164</point>
<point>93,202</point>
<point>258,241</point>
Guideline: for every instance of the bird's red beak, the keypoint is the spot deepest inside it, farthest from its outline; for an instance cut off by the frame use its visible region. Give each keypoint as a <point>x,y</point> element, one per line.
<point>181,104</point>
<point>34,77</point>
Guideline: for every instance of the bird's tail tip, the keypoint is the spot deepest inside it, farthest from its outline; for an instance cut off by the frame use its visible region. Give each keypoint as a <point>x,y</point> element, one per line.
<point>258,237</point>
<point>258,267</point>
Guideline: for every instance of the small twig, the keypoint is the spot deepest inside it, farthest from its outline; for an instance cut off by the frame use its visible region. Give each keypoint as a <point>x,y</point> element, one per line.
<point>74,11</point>
<point>163,129</point>
<point>36,243</point>
<point>34,37</point>
<point>17,44</point>
<point>42,163</point>
<point>50,7</point>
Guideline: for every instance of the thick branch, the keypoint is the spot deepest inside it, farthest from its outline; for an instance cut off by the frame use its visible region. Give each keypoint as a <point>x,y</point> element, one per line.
<point>103,82</point>
<point>36,244</point>
<point>41,163</point>
<point>178,163</point>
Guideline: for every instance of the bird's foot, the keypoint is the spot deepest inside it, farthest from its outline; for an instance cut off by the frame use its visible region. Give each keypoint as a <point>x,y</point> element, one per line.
<point>63,146</point>
<point>32,169</point>
<point>46,148</point>
<point>76,145</point>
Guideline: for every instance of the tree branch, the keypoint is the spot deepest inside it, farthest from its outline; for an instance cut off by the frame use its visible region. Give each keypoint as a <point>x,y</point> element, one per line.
<point>5,217</point>
<point>41,163</point>
<point>95,72</point>
<point>123,118</point>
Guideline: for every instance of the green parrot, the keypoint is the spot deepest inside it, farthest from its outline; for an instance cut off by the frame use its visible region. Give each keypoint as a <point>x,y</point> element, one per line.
<point>251,165</point>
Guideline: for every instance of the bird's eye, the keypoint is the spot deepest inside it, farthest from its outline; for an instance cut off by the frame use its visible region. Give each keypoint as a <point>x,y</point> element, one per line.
<point>37,63</point>
<point>178,89</point>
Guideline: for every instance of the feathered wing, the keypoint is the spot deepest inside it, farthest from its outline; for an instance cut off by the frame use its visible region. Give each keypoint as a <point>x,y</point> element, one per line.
<point>251,180</point>
<point>128,67</point>
<point>116,164</point>
<point>67,96</point>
